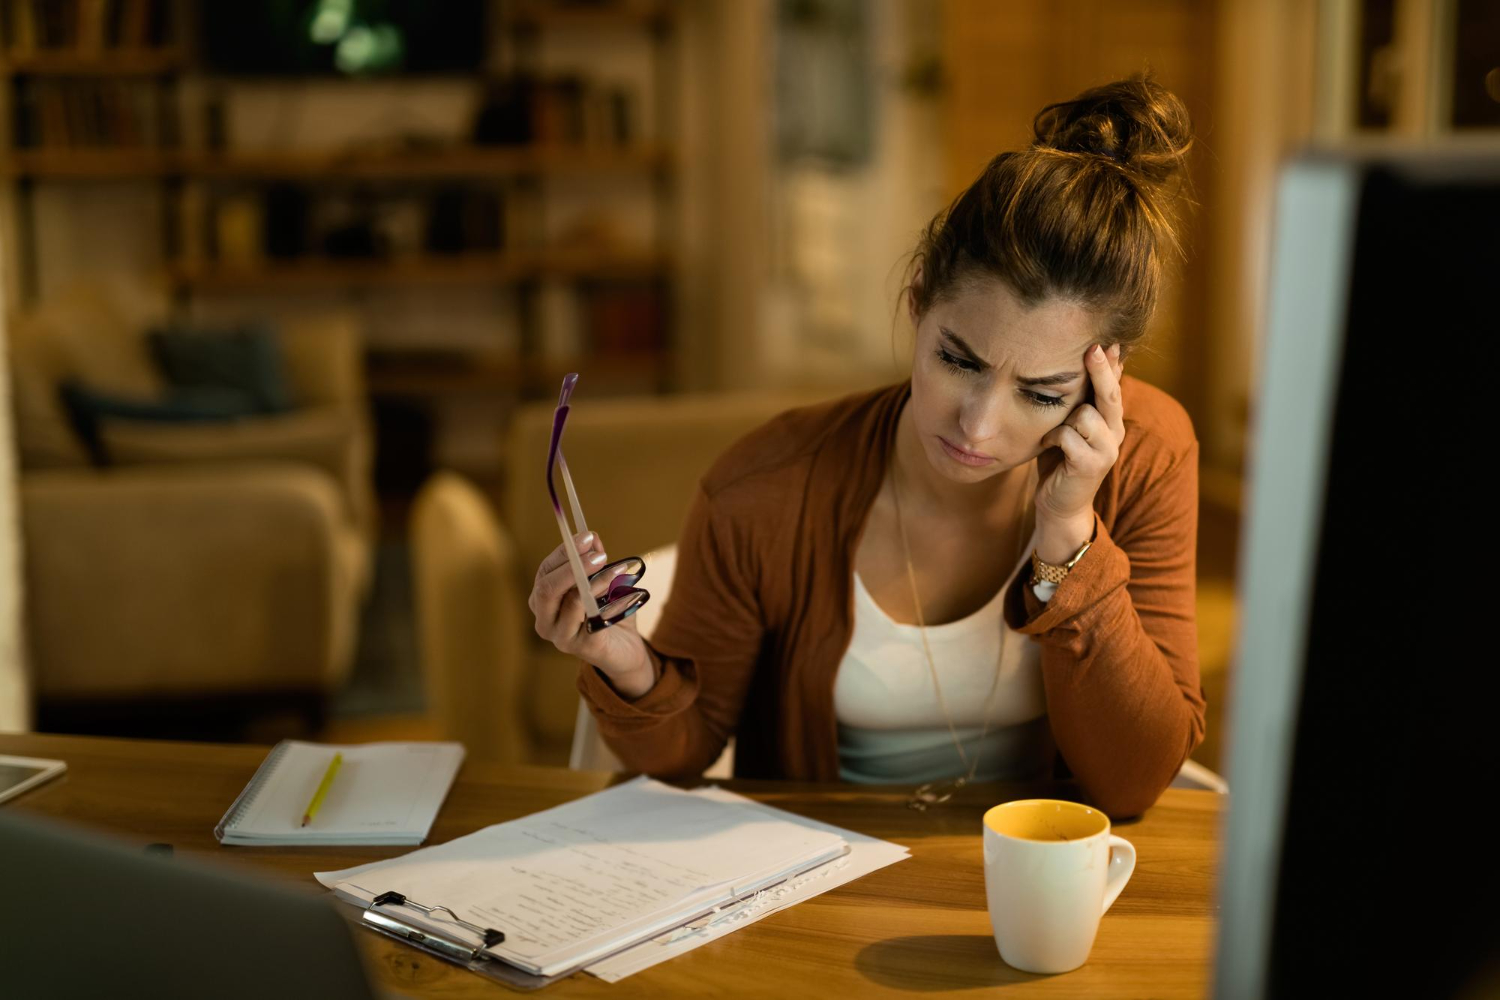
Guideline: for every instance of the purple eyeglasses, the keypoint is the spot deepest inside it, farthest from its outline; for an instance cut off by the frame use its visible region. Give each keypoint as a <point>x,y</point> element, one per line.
<point>623,598</point>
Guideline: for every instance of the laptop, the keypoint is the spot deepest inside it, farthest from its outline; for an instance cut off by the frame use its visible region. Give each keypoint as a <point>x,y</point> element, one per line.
<point>86,916</point>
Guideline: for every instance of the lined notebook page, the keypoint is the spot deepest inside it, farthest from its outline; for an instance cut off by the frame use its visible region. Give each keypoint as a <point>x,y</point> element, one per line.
<point>577,881</point>
<point>382,791</point>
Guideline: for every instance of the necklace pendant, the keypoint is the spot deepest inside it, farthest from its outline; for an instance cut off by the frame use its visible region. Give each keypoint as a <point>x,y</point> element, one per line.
<point>935,793</point>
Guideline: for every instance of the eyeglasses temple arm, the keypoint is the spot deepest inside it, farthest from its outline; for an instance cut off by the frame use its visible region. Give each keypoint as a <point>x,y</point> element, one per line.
<point>590,606</point>
<point>562,463</point>
<point>575,561</point>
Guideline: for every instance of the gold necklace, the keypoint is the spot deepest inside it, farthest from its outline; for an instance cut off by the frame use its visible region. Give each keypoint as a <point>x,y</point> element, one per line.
<point>935,793</point>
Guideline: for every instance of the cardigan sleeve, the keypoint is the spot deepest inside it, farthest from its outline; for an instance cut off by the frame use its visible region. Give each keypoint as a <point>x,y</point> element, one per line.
<point>704,650</point>
<point>1120,645</point>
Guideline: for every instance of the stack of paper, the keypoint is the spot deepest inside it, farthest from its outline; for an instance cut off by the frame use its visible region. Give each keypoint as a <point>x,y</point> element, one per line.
<point>642,865</point>
<point>866,854</point>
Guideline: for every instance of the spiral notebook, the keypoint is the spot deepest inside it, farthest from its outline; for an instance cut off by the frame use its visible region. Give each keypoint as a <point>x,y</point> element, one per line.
<point>384,793</point>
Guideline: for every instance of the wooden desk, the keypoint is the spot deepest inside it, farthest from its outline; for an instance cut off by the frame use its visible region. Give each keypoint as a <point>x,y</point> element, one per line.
<point>915,927</point>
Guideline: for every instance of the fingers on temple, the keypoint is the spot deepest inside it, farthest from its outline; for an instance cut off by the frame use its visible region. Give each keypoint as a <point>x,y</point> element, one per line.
<point>1106,379</point>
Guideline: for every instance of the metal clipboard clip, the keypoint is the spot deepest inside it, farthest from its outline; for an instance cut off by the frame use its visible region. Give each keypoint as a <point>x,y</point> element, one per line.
<point>422,937</point>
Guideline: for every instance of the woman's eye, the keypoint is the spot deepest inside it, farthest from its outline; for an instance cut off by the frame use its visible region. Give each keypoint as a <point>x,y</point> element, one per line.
<point>1042,399</point>
<point>956,364</point>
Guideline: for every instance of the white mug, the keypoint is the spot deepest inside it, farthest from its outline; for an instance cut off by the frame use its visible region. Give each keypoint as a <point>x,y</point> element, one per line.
<point>1051,870</point>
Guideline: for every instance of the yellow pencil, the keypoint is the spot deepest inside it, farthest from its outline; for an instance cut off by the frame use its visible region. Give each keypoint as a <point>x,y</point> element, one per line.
<point>317,799</point>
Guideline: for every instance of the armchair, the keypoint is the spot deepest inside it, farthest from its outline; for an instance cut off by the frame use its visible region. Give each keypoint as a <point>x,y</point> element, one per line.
<point>206,560</point>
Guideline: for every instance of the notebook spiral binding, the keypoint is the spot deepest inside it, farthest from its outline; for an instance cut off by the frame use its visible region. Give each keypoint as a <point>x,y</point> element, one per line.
<point>257,782</point>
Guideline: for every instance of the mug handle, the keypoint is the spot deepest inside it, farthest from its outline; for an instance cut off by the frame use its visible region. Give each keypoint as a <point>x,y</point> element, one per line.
<point>1121,867</point>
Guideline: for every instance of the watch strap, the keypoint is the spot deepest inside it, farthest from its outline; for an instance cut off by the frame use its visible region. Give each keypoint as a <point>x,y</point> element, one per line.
<point>1054,572</point>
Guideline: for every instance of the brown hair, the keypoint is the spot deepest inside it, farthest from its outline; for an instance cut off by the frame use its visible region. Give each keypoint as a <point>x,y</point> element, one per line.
<point>1082,214</point>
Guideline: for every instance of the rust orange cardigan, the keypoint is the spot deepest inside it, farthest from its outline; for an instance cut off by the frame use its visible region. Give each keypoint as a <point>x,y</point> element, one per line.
<point>761,608</point>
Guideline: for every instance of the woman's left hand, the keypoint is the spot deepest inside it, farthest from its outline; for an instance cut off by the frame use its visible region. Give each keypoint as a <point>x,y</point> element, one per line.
<point>1076,456</point>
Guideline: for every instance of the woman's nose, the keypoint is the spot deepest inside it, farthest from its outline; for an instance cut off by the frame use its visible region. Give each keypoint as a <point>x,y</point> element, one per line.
<point>981,419</point>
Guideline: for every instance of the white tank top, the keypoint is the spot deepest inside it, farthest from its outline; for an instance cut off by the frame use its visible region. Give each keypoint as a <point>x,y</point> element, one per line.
<point>890,724</point>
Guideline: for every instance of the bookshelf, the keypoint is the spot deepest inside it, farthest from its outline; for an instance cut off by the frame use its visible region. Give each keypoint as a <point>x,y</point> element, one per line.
<point>459,376</point>
<point>85,29</point>
<point>92,62</point>
<point>592,16</point>
<point>451,162</point>
<point>456,161</point>
<point>85,164</point>
<point>109,91</point>
<point>455,269</point>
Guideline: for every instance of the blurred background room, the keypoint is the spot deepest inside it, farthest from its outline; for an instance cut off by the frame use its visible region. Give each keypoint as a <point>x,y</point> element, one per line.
<point>289,289</point>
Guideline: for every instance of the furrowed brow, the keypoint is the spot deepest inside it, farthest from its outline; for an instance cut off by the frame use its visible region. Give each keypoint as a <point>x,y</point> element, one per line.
<point>1060,378</point>
<point>961,345</point>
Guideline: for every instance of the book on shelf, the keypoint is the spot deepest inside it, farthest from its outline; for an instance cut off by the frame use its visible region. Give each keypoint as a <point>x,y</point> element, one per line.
<point>66,114</point>
<point>556,111</point>
<point>85,26</point>
<point>625,319</point>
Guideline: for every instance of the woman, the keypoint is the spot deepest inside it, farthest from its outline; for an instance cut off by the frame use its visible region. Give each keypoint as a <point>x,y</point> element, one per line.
<point>970,574</point>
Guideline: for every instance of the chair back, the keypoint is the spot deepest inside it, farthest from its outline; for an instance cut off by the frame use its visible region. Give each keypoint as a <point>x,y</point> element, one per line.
<point>635,461</point>
<point>1194,775</point>
<point>469,633</point>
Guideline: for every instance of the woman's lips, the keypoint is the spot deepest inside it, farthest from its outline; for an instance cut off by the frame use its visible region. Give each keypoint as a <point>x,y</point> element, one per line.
<point>965,457</point>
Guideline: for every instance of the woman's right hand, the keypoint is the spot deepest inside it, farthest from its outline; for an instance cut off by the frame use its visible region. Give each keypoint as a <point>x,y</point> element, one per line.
<point>619,651</point>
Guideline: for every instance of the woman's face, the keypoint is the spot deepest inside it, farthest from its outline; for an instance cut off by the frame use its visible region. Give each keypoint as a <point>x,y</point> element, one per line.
<point>992,376</point>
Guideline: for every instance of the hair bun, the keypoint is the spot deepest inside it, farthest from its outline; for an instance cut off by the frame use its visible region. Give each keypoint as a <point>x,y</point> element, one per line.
<point>1136,122</point>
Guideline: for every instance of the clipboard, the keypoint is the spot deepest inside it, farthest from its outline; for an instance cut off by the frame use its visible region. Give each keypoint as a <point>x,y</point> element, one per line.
<point>383,916</point>
<point>461,943</point>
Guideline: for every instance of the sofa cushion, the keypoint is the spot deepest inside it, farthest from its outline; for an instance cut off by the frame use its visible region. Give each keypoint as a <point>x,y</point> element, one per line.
<point>97,341</point>
<point>44,432</point>
<point>89,333</point>
<point>325,437</point>
<point>90,409</point>
<point>198,579</point>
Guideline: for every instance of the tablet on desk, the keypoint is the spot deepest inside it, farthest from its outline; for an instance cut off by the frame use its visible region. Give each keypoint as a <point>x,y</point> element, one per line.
<point>20,773</point>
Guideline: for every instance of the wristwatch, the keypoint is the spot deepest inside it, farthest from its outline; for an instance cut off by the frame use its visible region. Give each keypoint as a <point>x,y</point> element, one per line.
<point>1043,572</point>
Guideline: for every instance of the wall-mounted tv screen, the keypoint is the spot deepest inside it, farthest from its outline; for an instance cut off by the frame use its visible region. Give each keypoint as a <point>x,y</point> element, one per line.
<point>343,37</point>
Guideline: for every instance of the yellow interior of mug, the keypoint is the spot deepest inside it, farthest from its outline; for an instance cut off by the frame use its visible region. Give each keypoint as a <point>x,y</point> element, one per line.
<point>1046,819</point>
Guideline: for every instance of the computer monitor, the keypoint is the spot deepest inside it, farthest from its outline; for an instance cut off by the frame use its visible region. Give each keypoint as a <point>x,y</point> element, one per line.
<point>1361,857</point>
<point>85,916</point>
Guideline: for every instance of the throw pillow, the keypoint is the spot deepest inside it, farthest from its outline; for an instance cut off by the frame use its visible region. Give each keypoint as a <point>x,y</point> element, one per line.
<point>246,360</point>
